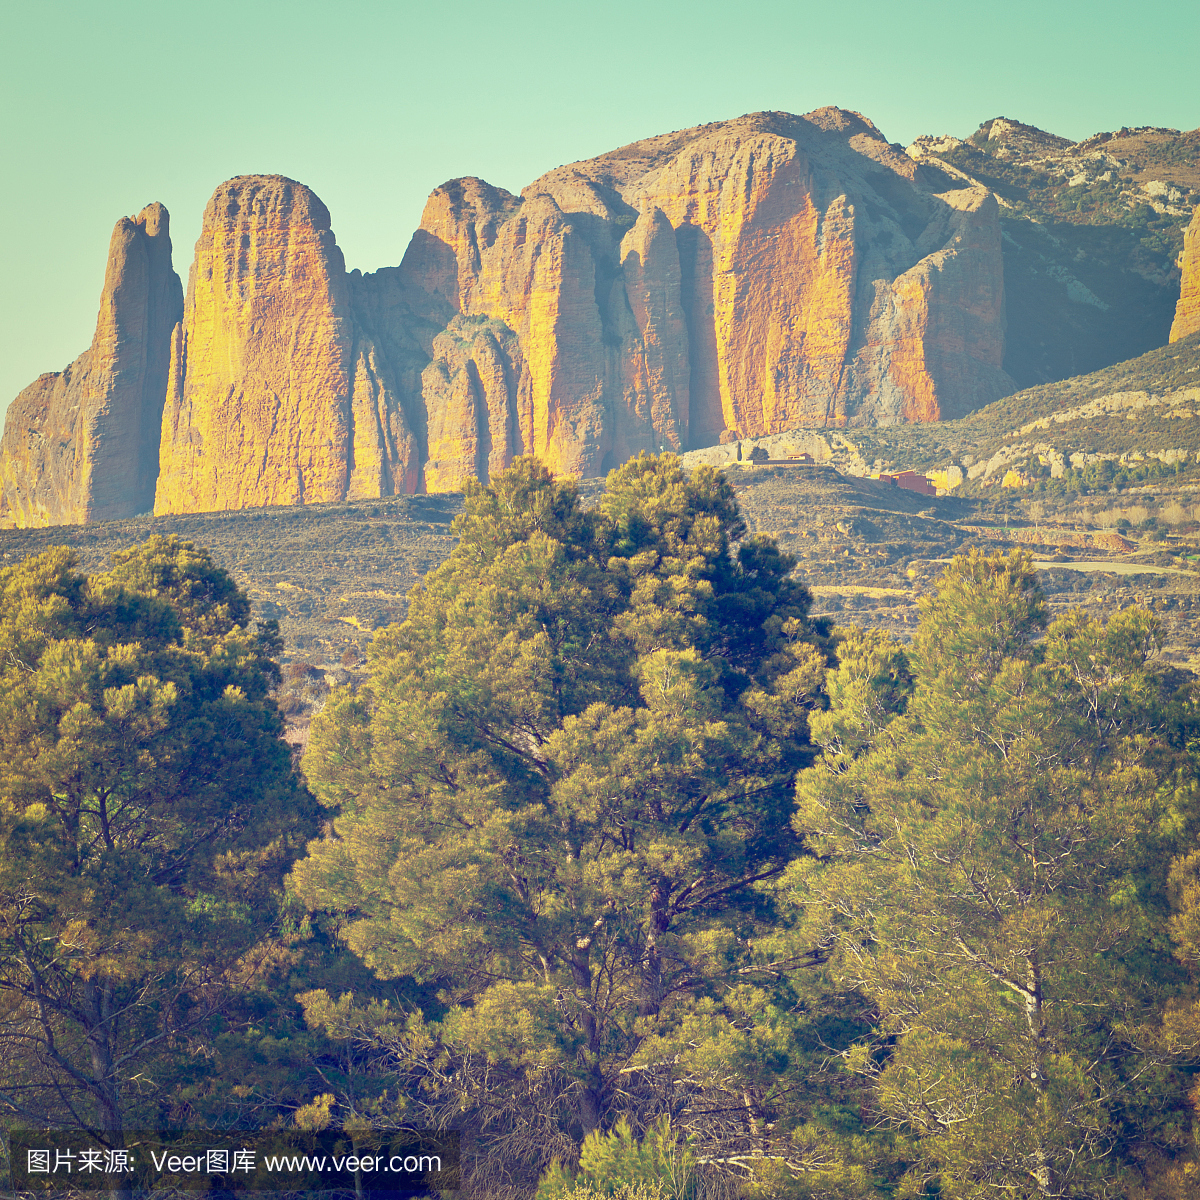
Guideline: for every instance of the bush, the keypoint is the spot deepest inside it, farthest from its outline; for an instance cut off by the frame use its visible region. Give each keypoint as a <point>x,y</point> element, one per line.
<point>616,1164</point>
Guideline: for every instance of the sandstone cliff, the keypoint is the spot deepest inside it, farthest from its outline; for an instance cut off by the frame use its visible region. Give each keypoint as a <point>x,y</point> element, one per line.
<point>82,444</point>
<point>739,278</point>
<point>1187,311</point>
<point>276,396</point>
<point>736,279</point>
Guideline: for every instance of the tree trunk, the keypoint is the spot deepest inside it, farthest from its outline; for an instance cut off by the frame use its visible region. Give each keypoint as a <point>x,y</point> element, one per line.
<point>106,1089</point>
<point>1035,1017</point>
<point>652,983</point>
<point>591,1100</point>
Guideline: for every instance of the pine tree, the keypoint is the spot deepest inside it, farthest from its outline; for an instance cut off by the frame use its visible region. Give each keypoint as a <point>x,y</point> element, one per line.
<point>990,873</point>
<point>556,794</point>
<point>148,812</point>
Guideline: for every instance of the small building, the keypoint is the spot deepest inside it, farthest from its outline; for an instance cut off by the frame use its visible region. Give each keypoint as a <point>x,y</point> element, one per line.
<point>911,481</point>
<point>760,458</point>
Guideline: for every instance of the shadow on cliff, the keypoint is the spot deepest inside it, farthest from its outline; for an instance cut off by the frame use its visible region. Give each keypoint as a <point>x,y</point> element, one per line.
<point>1056,330</point>
<point>706,416</point>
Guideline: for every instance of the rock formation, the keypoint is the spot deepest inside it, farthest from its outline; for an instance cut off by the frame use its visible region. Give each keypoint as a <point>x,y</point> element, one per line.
<point>739,278</point>
<point>1187,311</point>
<point>276,396</point>
<point>82,444</point>
<point>1087,280</point>
<point>466,391</point>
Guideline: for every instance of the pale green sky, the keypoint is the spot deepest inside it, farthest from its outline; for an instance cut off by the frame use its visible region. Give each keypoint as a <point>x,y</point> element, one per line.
<point>107,106</point>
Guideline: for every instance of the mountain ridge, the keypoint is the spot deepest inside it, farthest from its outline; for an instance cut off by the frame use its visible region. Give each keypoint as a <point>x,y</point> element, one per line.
<point>730,280</point>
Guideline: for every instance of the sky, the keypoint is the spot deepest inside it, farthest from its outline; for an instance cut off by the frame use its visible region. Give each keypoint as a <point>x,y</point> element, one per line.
<point>105,107</point>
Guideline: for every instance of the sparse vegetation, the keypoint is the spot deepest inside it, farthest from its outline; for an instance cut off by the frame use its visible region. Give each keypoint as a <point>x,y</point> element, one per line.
<point>1091,235</point>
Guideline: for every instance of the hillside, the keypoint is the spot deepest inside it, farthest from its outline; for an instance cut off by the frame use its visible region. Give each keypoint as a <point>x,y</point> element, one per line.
<point>1134,414</point>
<point>331,574</point>
<point>1138,414</point>
<point>1092,233</point>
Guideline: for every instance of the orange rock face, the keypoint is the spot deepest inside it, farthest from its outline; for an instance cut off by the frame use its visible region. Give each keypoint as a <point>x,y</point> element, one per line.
<point>733,280</point>
<point>277,395</point>
<point>1187,311</point>
<point>257,410</point>
<point>82,444</point>
<point>741,278</point>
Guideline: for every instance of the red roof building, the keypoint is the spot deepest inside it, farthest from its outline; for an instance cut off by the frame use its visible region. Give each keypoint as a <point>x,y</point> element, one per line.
<point>910,481</point>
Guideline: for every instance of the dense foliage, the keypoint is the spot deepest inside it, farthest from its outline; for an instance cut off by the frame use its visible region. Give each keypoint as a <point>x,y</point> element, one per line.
<point>632,872</point>
<point>569,769</point>
<point>960,983</point>
<point>993,850</point>
<point>147,813</point>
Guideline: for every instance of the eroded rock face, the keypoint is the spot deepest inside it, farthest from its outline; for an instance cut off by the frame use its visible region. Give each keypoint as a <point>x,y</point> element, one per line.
<point>733,280</point>
<point>82,444</point>
<point>460,221</point>
<point>1187,311</point>
<point>291,382</point>
<point>467,390</point>
<point>257,410</point>
<point>657,372</point>
<point>745,277</point>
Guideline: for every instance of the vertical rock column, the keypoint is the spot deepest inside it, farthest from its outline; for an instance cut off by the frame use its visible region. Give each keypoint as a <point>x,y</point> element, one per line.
<point>1187,311</point>
<point>539,279</point>
<point>258,409</point>
<point>657,366</point>
<point>934,346</point>
<point>82,444</point>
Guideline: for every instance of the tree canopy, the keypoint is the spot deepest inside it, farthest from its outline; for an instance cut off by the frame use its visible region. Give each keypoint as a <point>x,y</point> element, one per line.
<point>859,919</point>
<point>992,840</point>
<point>147,813</point>
<point>556,793</point>
<point>632,870</point>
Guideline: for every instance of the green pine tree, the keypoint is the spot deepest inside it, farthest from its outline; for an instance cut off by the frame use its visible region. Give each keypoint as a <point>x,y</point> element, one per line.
<point>555,796</point>
<point>990,872</point>
<point>148,813</point>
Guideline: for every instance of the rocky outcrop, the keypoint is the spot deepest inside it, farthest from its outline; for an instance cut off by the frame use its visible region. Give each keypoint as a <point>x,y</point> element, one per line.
<point>460,221</point>
<point>740,278</point>
<point>467,391</point>
<point>938,326</point>
<point>732,280</point>
<point>1085,227</point>
<point>277,395</point>
<point>1187,311</point>
<point>82,444</point>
